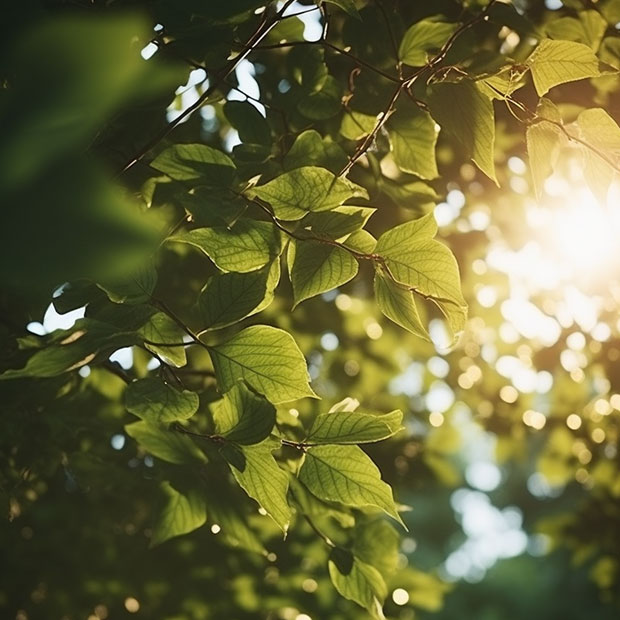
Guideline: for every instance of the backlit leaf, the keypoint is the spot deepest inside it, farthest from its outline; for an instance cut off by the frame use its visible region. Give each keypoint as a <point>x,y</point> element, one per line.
<point>258,474</point>
<point>160,328</point>
<point>557,62</point>
<point>467,114</point>
<point>167,445</point>
<point>246,246</point>
<point>295,193</point>
<point>155,401</point>
<point>427,35</point>
<point>195,162</point>
<point>183,513</point>
<point>413,137</point>
<point>353,427</point>
<point>267,359</point>
<point>358,581</point>
<point>417,260</point>
<point>316,267</point>
<point>345,474</point>
<point>242,416</point>
<point>229,297</point>
<point>396,302</point>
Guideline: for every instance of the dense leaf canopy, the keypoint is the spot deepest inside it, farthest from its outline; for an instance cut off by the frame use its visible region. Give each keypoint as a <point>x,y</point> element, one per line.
<point>309,309</point>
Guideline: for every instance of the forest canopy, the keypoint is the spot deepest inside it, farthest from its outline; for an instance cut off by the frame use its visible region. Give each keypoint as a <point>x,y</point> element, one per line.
<point>309,310</point>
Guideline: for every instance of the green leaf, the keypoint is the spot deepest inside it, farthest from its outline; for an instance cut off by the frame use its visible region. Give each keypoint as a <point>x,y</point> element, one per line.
<point>195,162</point>
<point>377,543</point>
<point>135,288</point>
<point>427,35</point>
<point>295,193</point>
<point>167,445</point>
<point>225,511</point>
<point>324,103</point>
<point>542,140</point>
<point>361,241</point>
<point>268,359</point>
<point>588,29</point>
<point>413,137</point>
<point>610,52</point>
<point>183,513</point>
<point>310,149</point>
<point>88,341</point>
<point>162,329</point>
<point>348,6</point>
<point>358,581</point>
<point>210,207</point>
<point>345,474</point>
<point>229,297</point>
<point>249,122</point>
<point>466,113</point>
<point>316,267</point>
<point>337,223</point>
<point>397,304</point>
<point>243,417</point>
<point>417,260</point>
<point>356,125</point>
<point>157,402</point>
<point>557,62</point>
<point>258,474</point>
<point>353,427</point>
<point>246,246</point>
<point>601,132</point>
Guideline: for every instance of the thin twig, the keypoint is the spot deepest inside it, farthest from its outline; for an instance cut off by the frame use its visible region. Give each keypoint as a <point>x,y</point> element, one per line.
<point>259,34</point>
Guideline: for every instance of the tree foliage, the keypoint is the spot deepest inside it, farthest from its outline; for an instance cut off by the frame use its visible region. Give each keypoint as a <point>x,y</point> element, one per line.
<point>245,213</point>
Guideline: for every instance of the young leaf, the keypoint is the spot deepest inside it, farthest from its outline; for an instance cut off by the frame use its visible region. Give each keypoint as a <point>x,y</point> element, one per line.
<point>358,581</point>
<point>183,513</point>
<point>229,297</point>
<point>165,444</point>
<point>160,328</point>
<point>159,403</point>
<point>258,474</point>
<point>242,416</point>
<point>397,304</point>
<point>413,137</point>
<point>417,260</point>
<point>463,111</point>
<point>558,62</point>
<point>295,193</point>
<point>195,162</point>
<point>246,246</point>
<point>316,267</point>
<point>427,35</point>
<point>345,474</point>
<point>353,427</point>
<point>267,359</point>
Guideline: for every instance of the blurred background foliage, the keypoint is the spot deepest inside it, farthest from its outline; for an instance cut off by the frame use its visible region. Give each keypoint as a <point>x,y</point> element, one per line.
<point>509,460</point>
